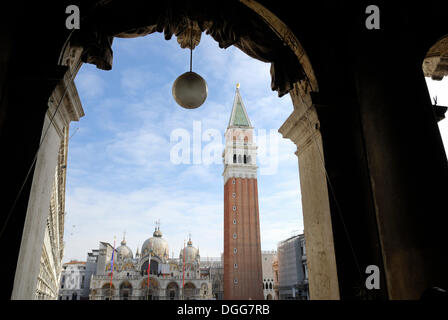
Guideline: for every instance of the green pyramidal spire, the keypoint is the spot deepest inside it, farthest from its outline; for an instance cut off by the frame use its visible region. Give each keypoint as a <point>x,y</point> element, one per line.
<point>238,117</point>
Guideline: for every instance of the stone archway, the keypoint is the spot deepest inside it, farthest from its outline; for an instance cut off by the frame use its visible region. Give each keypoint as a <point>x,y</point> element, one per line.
<point>108,291</point>
<point>189,291</point>
<point>125,290</point>
<point>302,127</point>
<point>298,79</point>
<point>172,291</point>
<point>151,292</point>
<point>354,73</point>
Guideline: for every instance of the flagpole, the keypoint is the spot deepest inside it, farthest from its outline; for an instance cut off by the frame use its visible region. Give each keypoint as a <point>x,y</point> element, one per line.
<point>148,271</point>
<point>112,273</point>
<point>183,274</point>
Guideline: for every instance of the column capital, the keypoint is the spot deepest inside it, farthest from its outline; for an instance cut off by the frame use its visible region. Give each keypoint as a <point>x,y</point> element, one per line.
<point>301,127</point>
<point>70,108</point>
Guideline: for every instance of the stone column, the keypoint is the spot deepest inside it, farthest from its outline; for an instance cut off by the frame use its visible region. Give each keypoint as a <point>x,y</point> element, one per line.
<point>407,162</point>
<point>409,175</point>
<point>302,128</point>
<point>27,270</point>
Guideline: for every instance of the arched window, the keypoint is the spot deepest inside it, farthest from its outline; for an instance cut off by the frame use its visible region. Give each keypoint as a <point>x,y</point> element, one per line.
<point>245,159</point>
<point>154,267</point>
<point>270,285</point>
<point>172,291</point>
<point>234,158</point>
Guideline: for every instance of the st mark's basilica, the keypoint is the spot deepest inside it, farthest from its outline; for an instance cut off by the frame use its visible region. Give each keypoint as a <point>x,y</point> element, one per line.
<point>182,278</point>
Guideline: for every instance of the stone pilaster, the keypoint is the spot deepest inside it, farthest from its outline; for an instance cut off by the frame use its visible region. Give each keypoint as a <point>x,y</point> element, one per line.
<point>57,119</point>
<point>302,127</point>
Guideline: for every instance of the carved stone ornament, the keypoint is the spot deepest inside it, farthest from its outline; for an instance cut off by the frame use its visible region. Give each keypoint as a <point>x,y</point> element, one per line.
<point>229,22</point>
<point>435,64</point>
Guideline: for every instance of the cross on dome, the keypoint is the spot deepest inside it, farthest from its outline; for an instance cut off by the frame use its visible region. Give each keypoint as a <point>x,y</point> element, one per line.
<point>123,242</point>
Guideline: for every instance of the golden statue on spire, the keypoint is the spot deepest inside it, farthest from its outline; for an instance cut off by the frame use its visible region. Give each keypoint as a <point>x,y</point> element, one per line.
<point>238,85</point>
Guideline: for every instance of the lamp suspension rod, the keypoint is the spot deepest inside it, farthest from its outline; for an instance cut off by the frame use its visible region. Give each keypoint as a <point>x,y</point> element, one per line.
<point>191,47</point>
<point>191,59</point>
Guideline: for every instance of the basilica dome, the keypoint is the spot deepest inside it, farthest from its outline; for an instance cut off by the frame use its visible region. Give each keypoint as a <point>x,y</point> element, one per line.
<point>124,252</point>
<point>191,253</point>
<point>156,244</point>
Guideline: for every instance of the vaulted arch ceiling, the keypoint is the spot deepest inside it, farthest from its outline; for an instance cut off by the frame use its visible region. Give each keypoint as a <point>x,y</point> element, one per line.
<point>228,22</point>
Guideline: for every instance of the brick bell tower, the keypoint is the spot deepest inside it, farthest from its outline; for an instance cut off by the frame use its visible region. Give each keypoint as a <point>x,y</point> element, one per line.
<point>242,249</point>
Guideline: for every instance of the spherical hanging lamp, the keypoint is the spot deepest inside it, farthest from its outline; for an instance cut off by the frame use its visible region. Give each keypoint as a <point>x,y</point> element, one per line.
<point>190,89</point>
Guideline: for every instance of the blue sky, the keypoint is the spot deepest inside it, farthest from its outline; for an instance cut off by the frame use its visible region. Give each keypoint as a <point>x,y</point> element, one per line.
<point>120,176</point>
<point>439,89</point>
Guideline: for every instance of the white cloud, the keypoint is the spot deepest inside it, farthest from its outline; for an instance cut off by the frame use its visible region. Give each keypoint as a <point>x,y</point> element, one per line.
<point>134,80</point>
<point>111,213</point>
<point>138,147</point>
<point>90,84</point>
